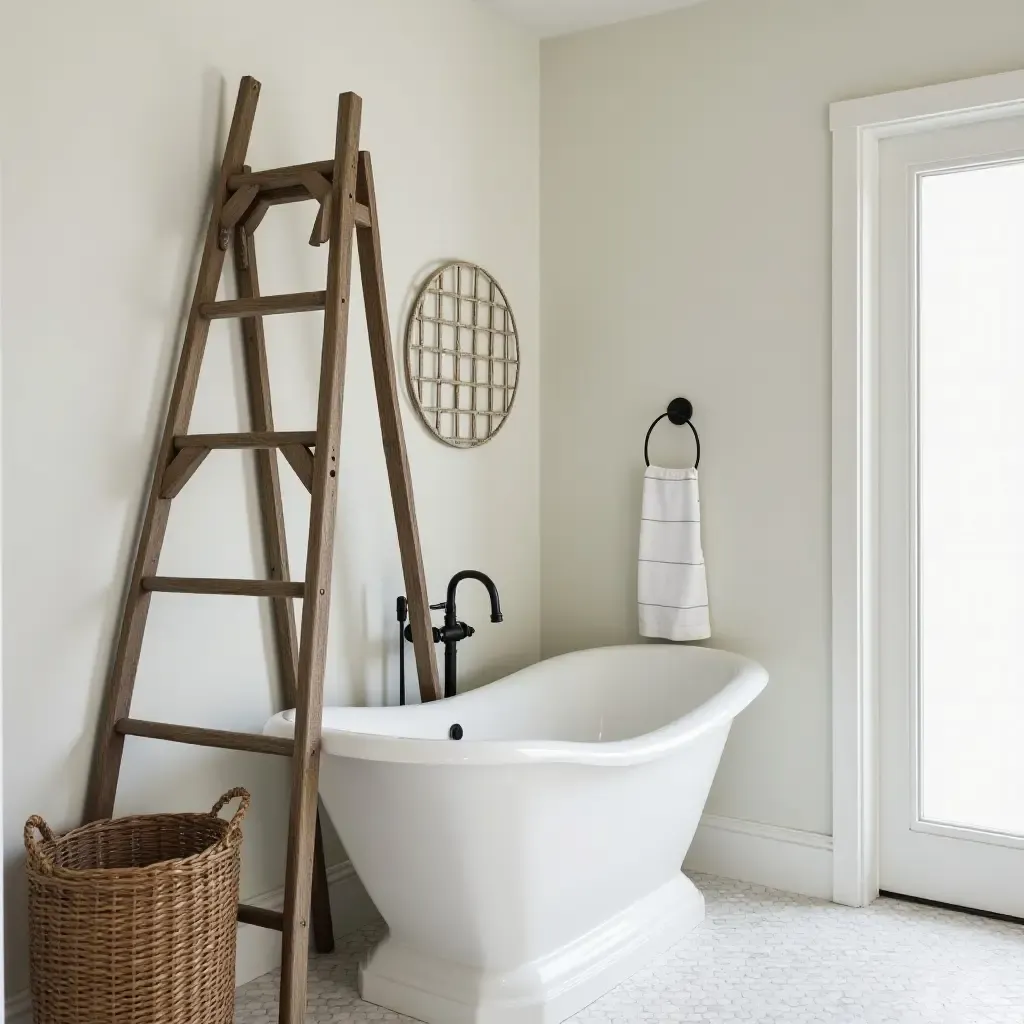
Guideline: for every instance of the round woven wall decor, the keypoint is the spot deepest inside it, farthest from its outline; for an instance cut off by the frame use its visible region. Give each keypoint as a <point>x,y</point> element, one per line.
<point>462,355</point>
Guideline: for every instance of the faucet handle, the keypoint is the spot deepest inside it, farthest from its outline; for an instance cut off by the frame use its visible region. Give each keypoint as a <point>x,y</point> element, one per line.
<point>439,607</point>
<point>434,632</point>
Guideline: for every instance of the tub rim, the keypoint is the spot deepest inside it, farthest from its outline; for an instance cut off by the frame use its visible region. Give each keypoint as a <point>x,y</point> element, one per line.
<point>748,680</point>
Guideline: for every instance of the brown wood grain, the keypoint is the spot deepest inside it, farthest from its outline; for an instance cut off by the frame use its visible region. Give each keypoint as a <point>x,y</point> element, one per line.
<point>268,482</point>
<point>320,189</point>
<point>261,917</point>
<point>319,564</point>
<point>349,203</point>
<point>279,177</point>
<point>255,743</point>
<point>315,183</point>
<point>228,588</point>
<point>285,194</point>
<point>301,460</point>
<point>321,225</point>
<point>180,470</point>
<point>275,543</point>
<point>252,439</point>
<point>399,475</point>
<point>268,305</point>
<point>256,215</point>
<point>109,746</point>
<point>293,194</point>
<point>237,206</point>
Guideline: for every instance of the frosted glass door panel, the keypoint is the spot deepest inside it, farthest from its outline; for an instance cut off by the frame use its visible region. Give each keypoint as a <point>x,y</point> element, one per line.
<point>971,498</point>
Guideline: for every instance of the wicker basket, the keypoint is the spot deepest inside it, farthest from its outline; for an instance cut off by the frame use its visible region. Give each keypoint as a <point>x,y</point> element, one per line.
<point>132,920</point>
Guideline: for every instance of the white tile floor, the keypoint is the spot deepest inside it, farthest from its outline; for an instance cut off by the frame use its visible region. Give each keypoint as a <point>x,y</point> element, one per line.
<point>764,956</point>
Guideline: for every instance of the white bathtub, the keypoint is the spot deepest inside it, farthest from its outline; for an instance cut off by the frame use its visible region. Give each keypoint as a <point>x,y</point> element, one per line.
<point>529,867</point>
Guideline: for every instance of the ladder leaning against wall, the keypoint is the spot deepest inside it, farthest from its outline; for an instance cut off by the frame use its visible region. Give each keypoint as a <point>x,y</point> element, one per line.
<point>343,189</point>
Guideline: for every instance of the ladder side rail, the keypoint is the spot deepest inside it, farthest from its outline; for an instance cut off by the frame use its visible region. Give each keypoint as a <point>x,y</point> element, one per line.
<point>106,764</point>
<point>371,266</point>
<point>319,564</point>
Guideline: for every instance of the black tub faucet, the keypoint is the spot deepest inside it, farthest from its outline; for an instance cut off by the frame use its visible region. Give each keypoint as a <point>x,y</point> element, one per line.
<point>452,631</point>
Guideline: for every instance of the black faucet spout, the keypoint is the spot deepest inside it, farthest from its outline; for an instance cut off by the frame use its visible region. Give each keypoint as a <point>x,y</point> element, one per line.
<point>472,574</point>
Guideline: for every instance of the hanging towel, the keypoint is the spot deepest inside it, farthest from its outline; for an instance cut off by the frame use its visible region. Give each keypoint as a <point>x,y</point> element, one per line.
<point>671,584</point>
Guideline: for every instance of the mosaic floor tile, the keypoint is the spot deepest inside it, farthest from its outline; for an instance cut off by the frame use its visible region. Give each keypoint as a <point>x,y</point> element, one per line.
<point>761,956</point>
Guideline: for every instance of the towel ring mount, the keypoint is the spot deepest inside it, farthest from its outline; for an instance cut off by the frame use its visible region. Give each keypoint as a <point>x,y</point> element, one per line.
<point>680,411</point>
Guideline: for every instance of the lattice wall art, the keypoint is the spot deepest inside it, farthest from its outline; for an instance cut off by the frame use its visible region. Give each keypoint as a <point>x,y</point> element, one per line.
<point>462,355</point>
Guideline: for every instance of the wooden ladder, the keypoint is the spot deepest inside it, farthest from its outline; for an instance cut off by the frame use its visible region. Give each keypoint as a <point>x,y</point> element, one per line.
<point>343,188</point>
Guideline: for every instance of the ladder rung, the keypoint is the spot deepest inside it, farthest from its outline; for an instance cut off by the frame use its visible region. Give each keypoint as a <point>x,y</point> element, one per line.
<point>280,177</point>
<point>261,917</point>
<point>256,439</point>
<point>253,742</point>
<point>237,588</point>
<point>267,305</point>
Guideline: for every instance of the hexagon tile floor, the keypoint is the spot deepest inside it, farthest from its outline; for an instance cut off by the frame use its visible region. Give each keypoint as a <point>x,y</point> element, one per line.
<point>763,956</point>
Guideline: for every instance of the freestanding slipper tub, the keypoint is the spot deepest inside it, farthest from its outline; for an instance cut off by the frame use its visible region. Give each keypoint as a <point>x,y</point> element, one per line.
<point>528,867</point>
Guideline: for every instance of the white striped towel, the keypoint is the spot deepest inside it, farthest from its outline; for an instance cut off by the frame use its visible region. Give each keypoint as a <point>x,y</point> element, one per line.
<point>672,586</point>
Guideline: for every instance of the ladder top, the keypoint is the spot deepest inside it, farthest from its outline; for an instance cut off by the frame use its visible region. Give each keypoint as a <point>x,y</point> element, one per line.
<point>285,185</point>
<point>281,177</point>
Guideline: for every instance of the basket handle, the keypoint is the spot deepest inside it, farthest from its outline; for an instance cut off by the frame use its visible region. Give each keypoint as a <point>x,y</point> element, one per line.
<point>243,806</point>
<point>32,846</point>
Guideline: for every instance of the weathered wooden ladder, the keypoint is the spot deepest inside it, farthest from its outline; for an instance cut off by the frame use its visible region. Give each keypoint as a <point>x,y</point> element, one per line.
<point>343,187</point>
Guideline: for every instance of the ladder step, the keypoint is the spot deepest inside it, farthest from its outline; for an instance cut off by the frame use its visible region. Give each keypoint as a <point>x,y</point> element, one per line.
<point>256,439</point>
<point>261,917</point>
<point>267,305</point>
<point>255,743</point>
<point>237,588</point>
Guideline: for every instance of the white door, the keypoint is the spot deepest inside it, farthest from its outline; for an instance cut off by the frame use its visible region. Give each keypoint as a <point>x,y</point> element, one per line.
<point>951,395</point>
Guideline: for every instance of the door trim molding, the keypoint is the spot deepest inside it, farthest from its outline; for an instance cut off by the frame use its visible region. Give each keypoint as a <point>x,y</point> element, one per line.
<point>858,127</point>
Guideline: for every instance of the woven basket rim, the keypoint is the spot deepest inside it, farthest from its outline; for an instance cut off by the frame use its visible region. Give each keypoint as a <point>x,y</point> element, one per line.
<point>225,843</point>
<point>41,852</point>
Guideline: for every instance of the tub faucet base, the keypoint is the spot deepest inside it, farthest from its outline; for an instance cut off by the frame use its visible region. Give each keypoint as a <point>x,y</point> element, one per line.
<point>547,990</point>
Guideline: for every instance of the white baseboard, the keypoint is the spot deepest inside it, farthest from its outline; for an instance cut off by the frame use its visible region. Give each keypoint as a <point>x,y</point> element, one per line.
<point>780,858</point>
<point>259,950</point>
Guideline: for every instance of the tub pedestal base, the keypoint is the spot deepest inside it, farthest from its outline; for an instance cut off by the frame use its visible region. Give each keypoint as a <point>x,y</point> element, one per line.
<point>543,991</point>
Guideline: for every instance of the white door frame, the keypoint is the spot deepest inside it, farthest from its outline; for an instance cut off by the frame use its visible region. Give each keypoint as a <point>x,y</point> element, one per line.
<point>858,127</point>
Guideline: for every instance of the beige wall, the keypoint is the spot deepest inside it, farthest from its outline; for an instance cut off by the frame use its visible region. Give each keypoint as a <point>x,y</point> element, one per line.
<point>686,250</point>
<point>113,114</point>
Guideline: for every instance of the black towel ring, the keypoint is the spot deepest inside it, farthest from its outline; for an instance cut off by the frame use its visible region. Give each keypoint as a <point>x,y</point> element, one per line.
<point>679,412</point>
